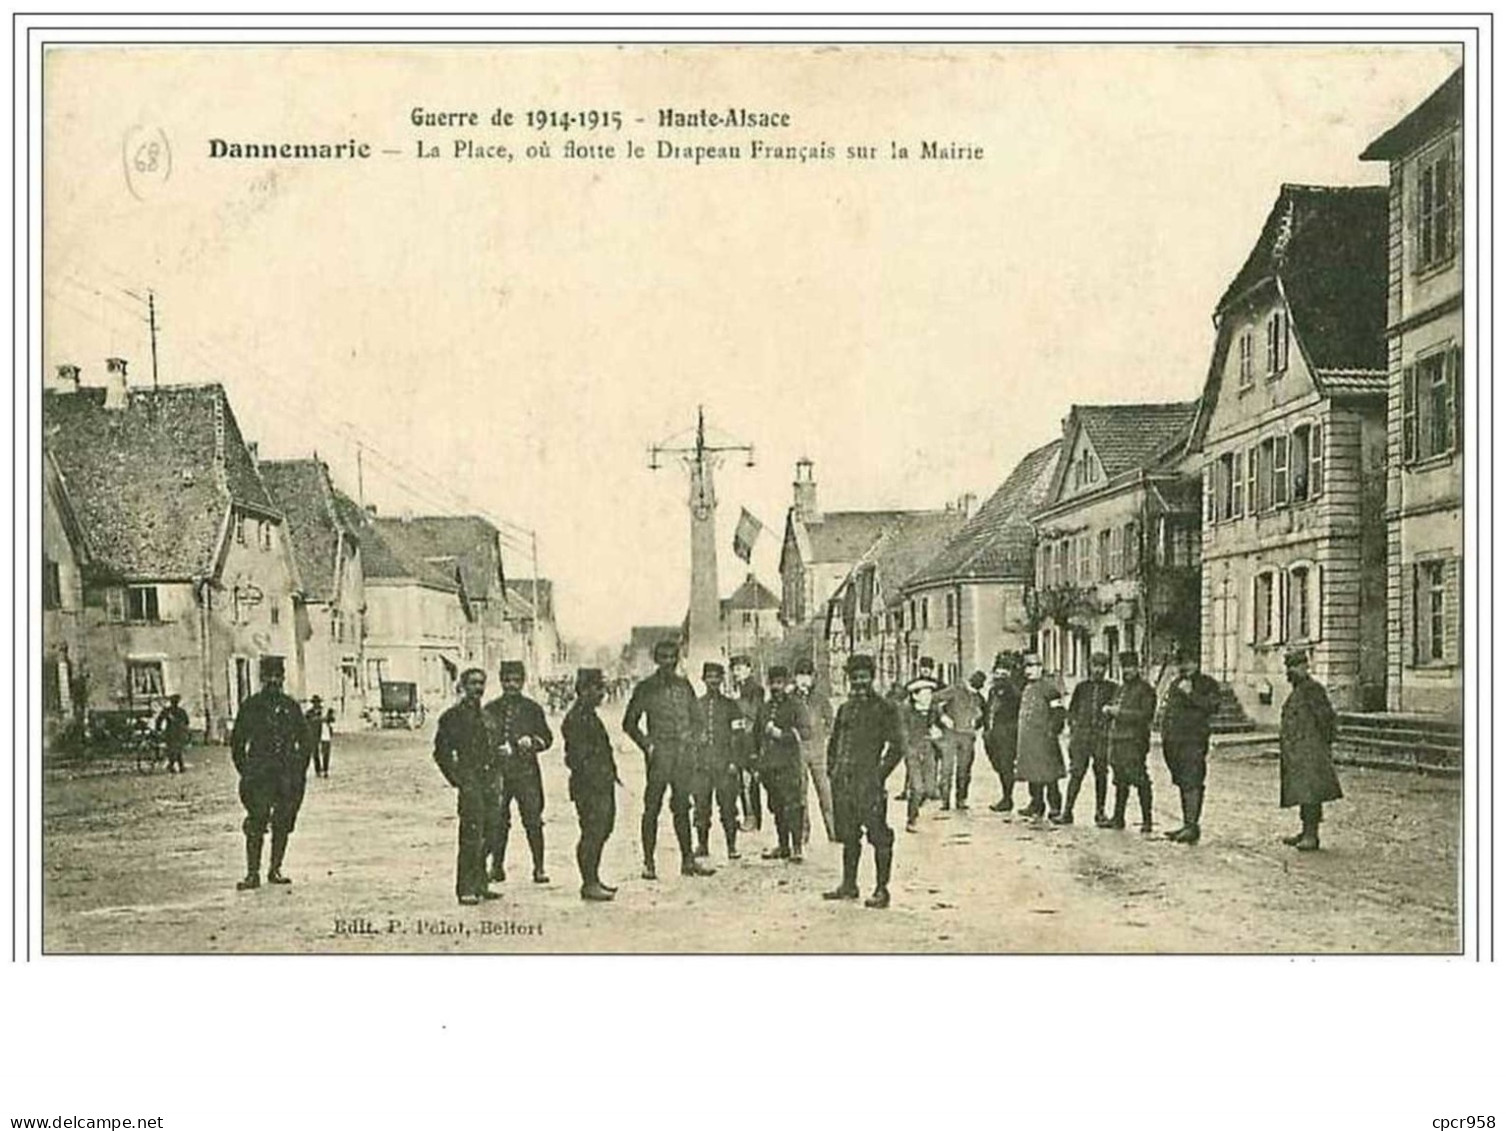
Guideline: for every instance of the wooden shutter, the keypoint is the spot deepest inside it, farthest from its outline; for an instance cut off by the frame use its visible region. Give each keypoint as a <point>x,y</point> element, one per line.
<point>1280,490</point>
<point>115,604</point>
<point>1237,470</point>
<point>1409,413</point>
<point>1453,608</point>
<point>1254,604</point>
<point>1410,587</point>
<point>1315,468</point>
<point>1278,598</point>
<point>1208,495</point>
<point>1456,399</point>
<point>1315,603</point>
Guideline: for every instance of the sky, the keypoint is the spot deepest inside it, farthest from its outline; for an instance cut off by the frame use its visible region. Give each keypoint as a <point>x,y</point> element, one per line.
<point>512,336</point>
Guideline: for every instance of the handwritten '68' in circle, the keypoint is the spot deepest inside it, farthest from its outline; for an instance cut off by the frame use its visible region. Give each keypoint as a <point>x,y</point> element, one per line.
<point>148,160</point>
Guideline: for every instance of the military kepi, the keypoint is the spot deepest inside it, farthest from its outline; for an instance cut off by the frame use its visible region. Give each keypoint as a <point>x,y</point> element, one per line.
<point>1296,658</point>
<point>271,667</point>
<point>587,678</point>
<point>779,671</point>
<point>711,667</point>
<point>510,668</point>
<point>860,662</point>
<point>1129,659</point>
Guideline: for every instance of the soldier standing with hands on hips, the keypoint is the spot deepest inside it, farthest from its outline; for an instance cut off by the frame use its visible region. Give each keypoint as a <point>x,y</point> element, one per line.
<point>270,749</point>
<point>519,733</point>
<point>864,748</point>
<point>463,752</point>
<point>593,781</point>
<point>661,720</point>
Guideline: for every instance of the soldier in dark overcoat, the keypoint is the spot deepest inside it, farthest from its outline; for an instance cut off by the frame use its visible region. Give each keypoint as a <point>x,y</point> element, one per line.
<point>593,781</point>
<point>661,720</point>
<point>1088,742</point>
<point>1001,733</point>
<point>1039,761</point>
<point>464,753</point>
<point>864,748</point>
<point>1130,715</point>
<point>520,733</point>
<point>1186,726</point>
<point>717,776</point>
<point>748,693</point>
<point>269,747</point>
<point>1308,727</point>
<point>784,726</point>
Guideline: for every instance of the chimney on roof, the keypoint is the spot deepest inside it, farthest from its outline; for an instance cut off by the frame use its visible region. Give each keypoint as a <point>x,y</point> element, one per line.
<point>67,379</point>
<point>965,504</point>
<point>115,382</point>
<point>806,509</point>
<point>254,450</point>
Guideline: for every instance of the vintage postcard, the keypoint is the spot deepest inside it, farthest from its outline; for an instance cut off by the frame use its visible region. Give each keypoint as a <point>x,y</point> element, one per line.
<point>810,497</point>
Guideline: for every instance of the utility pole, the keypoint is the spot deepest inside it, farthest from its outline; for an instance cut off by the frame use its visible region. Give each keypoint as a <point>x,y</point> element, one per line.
<point>360,479</point>
<point>701,459</point>
<point>151,316</point>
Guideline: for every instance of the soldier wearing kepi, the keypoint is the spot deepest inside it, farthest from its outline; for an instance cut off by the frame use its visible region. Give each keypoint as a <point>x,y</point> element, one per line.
<point>814,772</point>
<point>748,694</point>
<point>961,716</point>
<point>1042,715</point>
<point>1130,716</point>
<point>1089,741</point>
<point>661,720</point>
<point>463,751</point>
<point>717,777</point>
<point>519,734</point>
<point>172,731</point>
<point>864,748</point>
<point>1001,735</point>
<point>593,781</point>
<point>784,728</point>
<point>1308,725</point>
<point>270,749</point>
<point>1186,722</point>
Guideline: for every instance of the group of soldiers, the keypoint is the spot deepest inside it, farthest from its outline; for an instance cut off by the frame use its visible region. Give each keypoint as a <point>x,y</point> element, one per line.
<point>733,754</point>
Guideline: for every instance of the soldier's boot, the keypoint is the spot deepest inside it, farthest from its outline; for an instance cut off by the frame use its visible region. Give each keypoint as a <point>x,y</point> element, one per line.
<point>852,853</point>
<point>1312,816</point>
<point>1074,787</point>
<point>1100,796</point>
<point>1121,803</point>
<point>650,833</point>
<point>1194,816</point>
<point>1180,831</point>
<point>729,832</point>
<point>1054,801</point>
<point>781,850</point>
<point>702,839</point>
<point>1146,824</point>
<point>883,859</point>
<point>252,879</point>
<point>594,893</point>
<point>797,846</point>
<point>498,873</point>
<point>536,848</point>
<point>279,850</point>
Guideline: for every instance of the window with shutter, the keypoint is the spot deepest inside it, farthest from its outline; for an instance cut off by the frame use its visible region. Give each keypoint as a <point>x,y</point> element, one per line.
<point>1252,480</point>
<point>1237,474</point>
<point>1456,401</point>
<point>1409,413</point>
<point>1300,463</point>
<point>1131,549</point>
<point>1453,650</point>
<point>1315,465</point>
<point>1208,494</point>
<point>1279,471</point>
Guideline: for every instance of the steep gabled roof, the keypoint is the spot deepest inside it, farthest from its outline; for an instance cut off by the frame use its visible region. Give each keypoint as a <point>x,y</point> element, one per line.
<point>844,536</point>
<point>302,490</point>
<point>472,542</point>
<point>900,549</point>
<point>391,552</point>
<point>1130,437</point>
<point>1442,110</point>
<point>751,595</point>
<point>1327,250</point>
<point>143,480</point>
<point>997,543</point>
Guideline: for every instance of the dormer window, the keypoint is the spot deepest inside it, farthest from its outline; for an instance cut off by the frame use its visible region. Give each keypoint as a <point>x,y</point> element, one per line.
<point>1275,344</point>
<point>1246,359</point>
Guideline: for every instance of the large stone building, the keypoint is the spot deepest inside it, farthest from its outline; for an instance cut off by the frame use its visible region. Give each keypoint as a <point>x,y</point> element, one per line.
<point>1425,404</point>
<point>185,576</point>
<point>1291,441</point>
<point>332,605</point>
<point>970,600</point>
<point>750,619</point>
<point>1117,539</point>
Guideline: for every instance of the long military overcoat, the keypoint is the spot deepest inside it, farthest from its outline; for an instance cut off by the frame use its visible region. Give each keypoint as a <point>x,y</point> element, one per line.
<point>1308,724</point>
<point>1042,715</point>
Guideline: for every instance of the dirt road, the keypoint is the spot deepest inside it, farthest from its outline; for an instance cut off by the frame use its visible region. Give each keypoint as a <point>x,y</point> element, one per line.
<point>147,863</point>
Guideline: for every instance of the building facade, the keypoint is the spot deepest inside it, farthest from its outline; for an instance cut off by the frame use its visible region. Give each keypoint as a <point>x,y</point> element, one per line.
<point>332,607</point>
<point>970,600</point>
<point>750,619</point>
<point>1291,443</point>
<point>1425,404</point>
<point>1117,551</point>
<point>187,579</point>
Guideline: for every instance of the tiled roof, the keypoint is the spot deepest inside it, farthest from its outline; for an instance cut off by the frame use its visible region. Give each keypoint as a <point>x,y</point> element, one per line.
<point>522,589</point>
<point>1340,381</point>
<point>1128,437</point>
<point>392,551</point>
<point>302,491</point>
<point>1441,110</point>
<point>142,479</point>
<point>751,594</point>
<point>469,540</point>
<point>844,536</point>
<point>998,542</point>
<point>1328,247</point>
